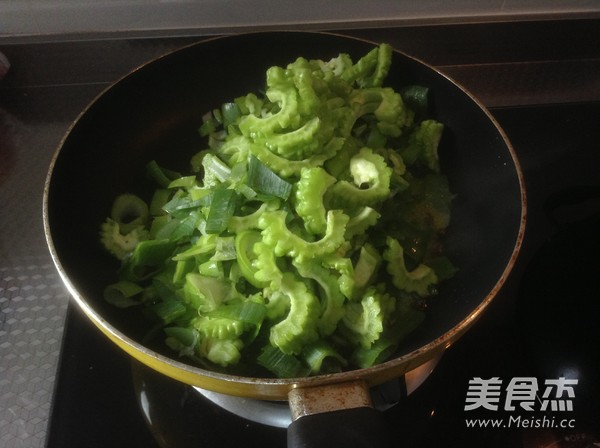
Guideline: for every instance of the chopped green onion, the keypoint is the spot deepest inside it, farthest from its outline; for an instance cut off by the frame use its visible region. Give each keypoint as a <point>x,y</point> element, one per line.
<point>204,246</point>
<point>248,312</point>
<point>205,293</point>
<point>214,167</point>
<point>379,351</point>
<point>225,249</point>
<point>169,310</point>
<point>162,286</point>
<point>223,206</point>
<point>265,181</point>
<point>183,182</point>
<point>152,252</point>
<point>277,362</point>
<point>186,226</point>
<point>211,268</point>
<point>321,356</point>
<point>160,197</point>
<point>182,268</point>
<point>196,160</point>
<point>367,265</point>
<point>182,339</point>
<point>200,195</point>
<point>163,226</point>
<point>122,293</point>
<point>160,175</point>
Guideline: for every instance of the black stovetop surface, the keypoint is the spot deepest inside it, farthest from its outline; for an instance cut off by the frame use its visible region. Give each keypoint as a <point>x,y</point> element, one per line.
<point>542,325</point>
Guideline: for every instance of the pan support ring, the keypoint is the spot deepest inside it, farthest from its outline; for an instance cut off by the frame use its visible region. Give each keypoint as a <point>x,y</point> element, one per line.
<point>277,414</point>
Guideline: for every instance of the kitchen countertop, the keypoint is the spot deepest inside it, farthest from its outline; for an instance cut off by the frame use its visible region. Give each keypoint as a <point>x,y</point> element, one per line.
<point>49,84</point>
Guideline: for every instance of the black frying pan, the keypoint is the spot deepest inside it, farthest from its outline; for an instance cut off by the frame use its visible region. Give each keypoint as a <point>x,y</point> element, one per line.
<point>154,113</point>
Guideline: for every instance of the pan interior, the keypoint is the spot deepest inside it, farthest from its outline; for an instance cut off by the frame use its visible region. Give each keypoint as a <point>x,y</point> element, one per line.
<point>154,113</point>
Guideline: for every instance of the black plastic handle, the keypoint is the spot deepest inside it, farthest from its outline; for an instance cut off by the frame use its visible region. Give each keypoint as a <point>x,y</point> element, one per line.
<point>346,428</point>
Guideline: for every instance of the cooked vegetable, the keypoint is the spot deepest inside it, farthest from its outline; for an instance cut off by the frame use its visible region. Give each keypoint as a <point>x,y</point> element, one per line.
<point>307,232</point>
<point>125,227</point>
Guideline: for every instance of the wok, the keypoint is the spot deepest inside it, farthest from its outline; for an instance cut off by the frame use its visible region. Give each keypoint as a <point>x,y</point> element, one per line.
<point>154,113</point>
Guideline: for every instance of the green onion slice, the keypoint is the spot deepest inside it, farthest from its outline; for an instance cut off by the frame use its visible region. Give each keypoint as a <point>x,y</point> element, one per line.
<point>265,181</point>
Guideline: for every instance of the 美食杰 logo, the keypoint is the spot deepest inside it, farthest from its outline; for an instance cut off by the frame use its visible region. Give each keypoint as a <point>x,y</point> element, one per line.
<point>521,392</point>
<point>529,402</point>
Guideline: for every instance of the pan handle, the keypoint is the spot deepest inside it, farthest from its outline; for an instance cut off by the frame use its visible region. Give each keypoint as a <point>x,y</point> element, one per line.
<point>332,416</point>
